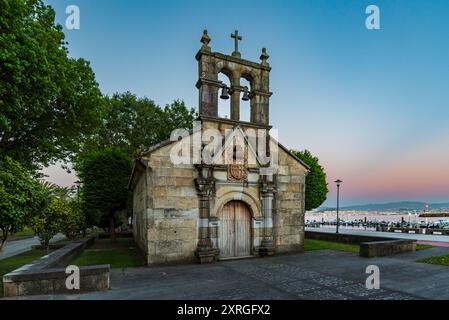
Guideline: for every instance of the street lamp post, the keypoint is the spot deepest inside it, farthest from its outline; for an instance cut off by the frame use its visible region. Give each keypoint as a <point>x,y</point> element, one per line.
<point>338,182</point>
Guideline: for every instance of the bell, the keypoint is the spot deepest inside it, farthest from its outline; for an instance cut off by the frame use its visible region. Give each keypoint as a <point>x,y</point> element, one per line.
<point>245,95</point>
<point>224,93</point>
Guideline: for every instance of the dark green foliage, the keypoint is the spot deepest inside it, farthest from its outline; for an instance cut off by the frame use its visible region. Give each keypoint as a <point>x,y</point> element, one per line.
<point>18,197</point>
<point>104,174</point>
<point>316,185</point>
<point>74,222</point>
<point>51,108</point>
<point>55,211</point>
<point>48,101</point>
<point>134,124</point>
<point>48,221</point>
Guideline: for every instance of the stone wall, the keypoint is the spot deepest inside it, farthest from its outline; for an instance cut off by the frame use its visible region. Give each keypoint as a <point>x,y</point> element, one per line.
<point>343,237</point>
<point>288,207</point>
<point>52,281</point>
<point>172,222</point>
<point>369,246</point>
<point>386,248</point>
<point>210,64</point>
<point>140,214</point>
<point>47,274</point>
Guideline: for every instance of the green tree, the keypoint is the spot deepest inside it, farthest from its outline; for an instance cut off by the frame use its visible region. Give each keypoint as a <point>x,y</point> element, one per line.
<point>104,175</point>
<point>74,221</point>
<point>134,124</point>
<point>54,210</point>
<point>316,185</point>
<point>47,222</point>
<point>48,101</point>
<point>176,116</point>
<point>17,195</point>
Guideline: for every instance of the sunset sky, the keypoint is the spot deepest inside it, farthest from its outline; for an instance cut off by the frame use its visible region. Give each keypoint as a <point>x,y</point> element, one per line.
<point>373,105</point>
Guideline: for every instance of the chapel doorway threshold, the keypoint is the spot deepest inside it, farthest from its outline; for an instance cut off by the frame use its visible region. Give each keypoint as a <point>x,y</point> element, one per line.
<point>236,258</point>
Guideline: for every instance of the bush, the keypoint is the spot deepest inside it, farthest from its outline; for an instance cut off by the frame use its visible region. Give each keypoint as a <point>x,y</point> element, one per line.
<point>47,223</point>
<point>74,222</point>
<point>316,185</point>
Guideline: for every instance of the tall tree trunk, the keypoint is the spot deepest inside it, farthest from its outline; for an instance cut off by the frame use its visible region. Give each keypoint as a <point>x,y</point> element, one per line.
<point>112,229</point>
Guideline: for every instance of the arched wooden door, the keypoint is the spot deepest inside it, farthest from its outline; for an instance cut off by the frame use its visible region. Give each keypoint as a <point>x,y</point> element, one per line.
<point>234,238</point>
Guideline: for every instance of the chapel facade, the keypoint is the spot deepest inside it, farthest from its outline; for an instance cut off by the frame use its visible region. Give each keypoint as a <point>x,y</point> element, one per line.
<point>238,205</point>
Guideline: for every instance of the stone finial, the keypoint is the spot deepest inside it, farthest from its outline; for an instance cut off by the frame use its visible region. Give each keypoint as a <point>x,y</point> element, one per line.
<point>264,56</point>
<point>205,39</point>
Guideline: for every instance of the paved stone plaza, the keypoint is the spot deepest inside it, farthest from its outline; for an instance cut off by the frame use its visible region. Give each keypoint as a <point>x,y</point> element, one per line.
<point>321,274</point>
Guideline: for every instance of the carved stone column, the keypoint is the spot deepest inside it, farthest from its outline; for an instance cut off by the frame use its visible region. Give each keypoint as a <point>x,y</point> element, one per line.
<point>267,246</point>
<point>235,102</point>
<point>205,185</point>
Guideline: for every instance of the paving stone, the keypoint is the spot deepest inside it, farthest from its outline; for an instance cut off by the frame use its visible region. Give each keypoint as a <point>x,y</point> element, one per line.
<point>312,275</point>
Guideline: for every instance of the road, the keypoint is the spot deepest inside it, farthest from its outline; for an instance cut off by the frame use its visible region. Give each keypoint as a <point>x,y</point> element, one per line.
<point>422,238</point>
<point>16,247</point>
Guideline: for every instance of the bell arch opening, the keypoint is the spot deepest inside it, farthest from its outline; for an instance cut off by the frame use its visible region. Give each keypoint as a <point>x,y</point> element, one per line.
<point>245,101</point>
<point>224,97</point>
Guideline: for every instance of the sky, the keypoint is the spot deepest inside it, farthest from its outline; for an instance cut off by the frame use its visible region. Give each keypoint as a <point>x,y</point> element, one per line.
<point>372,105</point>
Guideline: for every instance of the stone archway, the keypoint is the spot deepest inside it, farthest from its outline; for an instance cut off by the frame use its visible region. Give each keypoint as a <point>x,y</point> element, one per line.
<point>235,230</point>
<point>248,198</point>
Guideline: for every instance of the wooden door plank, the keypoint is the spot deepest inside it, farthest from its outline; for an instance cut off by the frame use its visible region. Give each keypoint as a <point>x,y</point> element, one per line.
<point>226,237</point>
<point>243,229</point>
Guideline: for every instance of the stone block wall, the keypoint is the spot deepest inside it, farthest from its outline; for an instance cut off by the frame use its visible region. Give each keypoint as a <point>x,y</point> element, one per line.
<point>386,248</point>
<point>344,237</point>
<point>140,214</point>
<point>52,281</point>
<point>289,210</point>
<point>47,275</point>
<point>172,222</point>
<point>167,204</point>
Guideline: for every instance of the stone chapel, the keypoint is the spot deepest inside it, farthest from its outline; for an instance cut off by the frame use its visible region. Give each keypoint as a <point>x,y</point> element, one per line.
<point>207,212</point>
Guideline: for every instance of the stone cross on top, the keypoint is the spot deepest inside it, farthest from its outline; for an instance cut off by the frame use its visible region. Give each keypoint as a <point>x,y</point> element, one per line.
<point>236,38</point>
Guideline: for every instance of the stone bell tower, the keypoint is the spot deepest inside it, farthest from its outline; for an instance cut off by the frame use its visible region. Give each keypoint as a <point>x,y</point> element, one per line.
<point>215,180</point>
<point>210,64</point>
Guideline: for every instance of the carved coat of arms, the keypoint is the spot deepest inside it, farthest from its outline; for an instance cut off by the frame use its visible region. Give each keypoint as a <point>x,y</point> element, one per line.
<point>237,172</point>
<point>237,169</point>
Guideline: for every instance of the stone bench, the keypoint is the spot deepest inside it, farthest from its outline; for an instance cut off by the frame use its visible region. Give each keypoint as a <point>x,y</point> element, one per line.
<point>47,275</point>
<point>386,248</point>
<point>342,237</point>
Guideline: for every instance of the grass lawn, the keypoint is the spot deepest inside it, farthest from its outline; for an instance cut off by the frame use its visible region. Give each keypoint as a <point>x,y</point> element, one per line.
<point>310,245</point>
<point>122,254</point>
<point>12,263</point>
<point>440,260</point>
<point>423,247</point>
